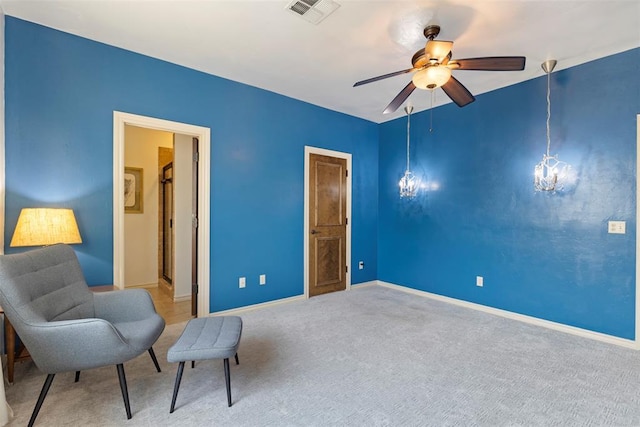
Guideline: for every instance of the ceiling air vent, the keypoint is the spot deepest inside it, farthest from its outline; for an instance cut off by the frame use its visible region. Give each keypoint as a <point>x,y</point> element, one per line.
<point>313,11</point>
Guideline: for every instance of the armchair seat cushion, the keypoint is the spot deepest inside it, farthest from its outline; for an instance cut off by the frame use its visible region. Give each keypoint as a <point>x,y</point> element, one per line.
<point>141,334</point>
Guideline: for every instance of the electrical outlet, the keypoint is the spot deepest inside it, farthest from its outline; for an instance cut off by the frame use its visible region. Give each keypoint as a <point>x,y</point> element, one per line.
<point>263,279</point>
<point>361,265</point>
<point>242,282</point>
<point>479,281</point>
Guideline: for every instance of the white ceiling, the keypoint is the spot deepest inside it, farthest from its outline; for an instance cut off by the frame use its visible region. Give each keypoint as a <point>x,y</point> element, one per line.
<point>262,44</point>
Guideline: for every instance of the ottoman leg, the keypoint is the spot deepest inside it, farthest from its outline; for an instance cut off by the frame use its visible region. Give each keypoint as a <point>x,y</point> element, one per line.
<point>176,387</point>
<point>237,360</point>
<point>153,357</point>
<point>227,378</point>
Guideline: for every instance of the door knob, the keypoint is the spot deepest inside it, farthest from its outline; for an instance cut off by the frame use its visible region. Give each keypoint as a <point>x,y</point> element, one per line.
<point>314,232</point>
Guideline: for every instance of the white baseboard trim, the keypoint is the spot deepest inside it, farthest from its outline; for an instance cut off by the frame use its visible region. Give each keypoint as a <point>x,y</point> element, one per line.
<point>142,285</point>
<point>235,311</point>
<point>622,342</point>
<point>240,310</point>
<point>182,298</point>
<point>365,284</point>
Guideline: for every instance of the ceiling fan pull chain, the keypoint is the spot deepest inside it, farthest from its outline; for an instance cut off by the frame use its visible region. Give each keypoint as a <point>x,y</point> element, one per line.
<point>433,98</point>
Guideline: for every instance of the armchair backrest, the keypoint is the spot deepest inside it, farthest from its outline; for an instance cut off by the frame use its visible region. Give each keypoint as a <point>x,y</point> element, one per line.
<point>43,285</point>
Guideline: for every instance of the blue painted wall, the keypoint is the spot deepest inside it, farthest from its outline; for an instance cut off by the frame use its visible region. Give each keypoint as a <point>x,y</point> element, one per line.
<point>61,91</point>
<point>542,255</point>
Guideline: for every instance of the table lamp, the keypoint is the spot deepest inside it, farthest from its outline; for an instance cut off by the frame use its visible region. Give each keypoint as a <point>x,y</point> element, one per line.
<point>45,226</point>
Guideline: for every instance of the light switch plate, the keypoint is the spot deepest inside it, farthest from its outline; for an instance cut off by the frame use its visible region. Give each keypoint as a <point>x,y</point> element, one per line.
<point>617,227</point>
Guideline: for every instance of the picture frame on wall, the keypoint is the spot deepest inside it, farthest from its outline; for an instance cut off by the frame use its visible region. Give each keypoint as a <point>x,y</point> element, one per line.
<point>133,190</point>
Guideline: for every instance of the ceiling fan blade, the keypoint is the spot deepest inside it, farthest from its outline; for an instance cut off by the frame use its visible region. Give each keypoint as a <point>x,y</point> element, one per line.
<point>437,49</point>
<point>457,92</point>
<point>492,63</point>
<point>400,98</point>
<point>384,76</point>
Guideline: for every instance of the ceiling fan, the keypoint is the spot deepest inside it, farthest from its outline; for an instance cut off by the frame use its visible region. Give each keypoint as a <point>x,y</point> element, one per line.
<point>433,65</point>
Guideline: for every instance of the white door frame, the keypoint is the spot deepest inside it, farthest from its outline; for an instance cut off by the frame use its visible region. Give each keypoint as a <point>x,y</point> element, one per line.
<point>203,134</point>
<point>308,150</point>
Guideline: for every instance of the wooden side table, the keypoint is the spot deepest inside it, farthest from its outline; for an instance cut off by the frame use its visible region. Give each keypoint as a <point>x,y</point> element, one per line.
<point>13,354</point>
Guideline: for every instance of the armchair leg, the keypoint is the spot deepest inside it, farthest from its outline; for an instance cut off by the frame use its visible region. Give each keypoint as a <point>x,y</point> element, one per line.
<point>77,376</point>
<point>153,357</point>
<point>237,360</point>
<point>43,394</point>
<point>227,379</point>
<point>123,387</point>
<point>176,387</point>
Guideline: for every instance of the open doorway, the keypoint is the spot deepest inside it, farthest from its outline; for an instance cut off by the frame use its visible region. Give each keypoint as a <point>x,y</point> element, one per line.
<point>159,210</point>
<point>200,220</point>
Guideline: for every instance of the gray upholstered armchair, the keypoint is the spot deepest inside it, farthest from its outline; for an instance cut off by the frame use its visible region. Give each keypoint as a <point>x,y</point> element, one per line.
<point>65,326</point>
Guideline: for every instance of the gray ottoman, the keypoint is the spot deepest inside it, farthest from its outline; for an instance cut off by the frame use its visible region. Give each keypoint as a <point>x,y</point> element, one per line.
<point>203,339</point>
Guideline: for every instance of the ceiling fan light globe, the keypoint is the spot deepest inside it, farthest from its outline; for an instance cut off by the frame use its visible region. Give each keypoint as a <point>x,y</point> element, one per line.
<point>431,77</point>
<point>437,50</point>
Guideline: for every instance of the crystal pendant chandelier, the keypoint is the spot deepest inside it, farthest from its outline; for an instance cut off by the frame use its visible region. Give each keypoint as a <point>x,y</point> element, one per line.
<point>409,183</point>
<point>551,173</point>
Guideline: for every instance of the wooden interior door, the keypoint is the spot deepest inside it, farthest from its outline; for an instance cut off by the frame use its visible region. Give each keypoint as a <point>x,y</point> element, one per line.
<point>166,213</point>
<point>327,224</point>
<point>194,229</point>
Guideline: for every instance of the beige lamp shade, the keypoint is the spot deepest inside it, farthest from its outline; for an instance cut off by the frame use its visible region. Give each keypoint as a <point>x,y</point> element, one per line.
<point>45,226</point>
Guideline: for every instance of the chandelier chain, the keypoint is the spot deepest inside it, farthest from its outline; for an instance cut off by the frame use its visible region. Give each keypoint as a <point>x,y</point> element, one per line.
<point>408,131</point>
<point>548,113</point>
<point>409,183</point>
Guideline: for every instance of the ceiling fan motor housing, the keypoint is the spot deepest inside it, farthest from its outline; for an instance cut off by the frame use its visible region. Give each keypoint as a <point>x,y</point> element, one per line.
<point>431,31</point>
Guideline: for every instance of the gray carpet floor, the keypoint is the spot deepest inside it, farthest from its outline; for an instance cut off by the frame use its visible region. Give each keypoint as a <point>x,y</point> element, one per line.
<point>370,357</point>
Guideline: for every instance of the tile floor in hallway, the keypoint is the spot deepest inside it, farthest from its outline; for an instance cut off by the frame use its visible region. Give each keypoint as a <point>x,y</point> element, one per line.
<point>172,312</point>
